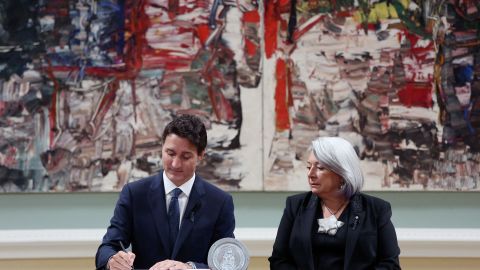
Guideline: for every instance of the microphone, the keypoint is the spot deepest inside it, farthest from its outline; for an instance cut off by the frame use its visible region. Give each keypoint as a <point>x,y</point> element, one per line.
<point>355,222</point>
<point>194,210</point>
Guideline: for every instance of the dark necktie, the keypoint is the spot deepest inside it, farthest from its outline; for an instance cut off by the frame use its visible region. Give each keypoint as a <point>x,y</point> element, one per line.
<point>174,216</point>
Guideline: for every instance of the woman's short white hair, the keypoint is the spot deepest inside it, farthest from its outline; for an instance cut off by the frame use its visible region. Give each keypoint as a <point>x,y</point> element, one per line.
<point>339,156</point>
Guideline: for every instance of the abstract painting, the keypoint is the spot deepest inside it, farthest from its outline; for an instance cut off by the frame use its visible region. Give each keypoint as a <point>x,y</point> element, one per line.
<point>87,86</point>
<point>398,79</point>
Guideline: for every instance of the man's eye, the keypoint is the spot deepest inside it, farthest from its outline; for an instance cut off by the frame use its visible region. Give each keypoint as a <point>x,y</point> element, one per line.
<point>309,167</point>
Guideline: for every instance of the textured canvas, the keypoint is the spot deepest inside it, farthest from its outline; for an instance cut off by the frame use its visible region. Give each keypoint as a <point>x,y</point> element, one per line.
<point>87,86</point>
<point>398,79</point>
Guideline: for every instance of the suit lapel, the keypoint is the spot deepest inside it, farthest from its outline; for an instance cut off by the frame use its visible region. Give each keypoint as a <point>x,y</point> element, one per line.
<point>306,226</point>
<point>356,220</point>
<point>191,213</point>
<point>158,208</point>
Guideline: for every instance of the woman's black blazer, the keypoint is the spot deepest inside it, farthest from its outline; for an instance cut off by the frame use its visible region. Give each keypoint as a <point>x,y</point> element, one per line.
<point>371,238</point>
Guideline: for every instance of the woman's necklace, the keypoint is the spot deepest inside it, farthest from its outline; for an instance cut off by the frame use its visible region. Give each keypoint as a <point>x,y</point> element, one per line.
<point>331,224</point>
<point>334,213</point>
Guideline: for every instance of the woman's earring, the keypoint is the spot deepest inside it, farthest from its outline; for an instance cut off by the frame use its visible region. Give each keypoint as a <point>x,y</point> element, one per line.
<point>342,186</point>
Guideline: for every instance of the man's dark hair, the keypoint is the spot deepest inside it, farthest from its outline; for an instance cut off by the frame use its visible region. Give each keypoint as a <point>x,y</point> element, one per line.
<point>189,127</point>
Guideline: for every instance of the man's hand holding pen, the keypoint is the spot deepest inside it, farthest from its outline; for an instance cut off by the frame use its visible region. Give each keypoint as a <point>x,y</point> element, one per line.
<point>123,260</point>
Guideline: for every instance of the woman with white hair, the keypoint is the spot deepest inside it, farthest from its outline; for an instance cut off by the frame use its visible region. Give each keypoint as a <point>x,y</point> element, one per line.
<point>335,226</point>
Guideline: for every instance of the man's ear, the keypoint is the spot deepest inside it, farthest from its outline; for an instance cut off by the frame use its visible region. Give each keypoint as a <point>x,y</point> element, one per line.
<point>201,155</point>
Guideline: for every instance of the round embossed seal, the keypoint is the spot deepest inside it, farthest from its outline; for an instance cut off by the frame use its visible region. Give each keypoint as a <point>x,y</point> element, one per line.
<point>228,254</point>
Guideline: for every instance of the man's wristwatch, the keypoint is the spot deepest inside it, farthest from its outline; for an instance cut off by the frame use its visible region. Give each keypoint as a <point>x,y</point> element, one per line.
<point>191,265</point>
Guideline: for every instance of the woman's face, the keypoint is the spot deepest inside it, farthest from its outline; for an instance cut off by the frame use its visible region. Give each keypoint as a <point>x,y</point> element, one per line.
<point>322,180</point>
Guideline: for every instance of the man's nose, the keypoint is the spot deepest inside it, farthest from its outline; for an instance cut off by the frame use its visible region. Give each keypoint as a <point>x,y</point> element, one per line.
<point>176,162</point>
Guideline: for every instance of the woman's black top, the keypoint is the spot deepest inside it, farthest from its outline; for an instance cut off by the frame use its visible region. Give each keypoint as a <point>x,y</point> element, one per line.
<point>329,250</point>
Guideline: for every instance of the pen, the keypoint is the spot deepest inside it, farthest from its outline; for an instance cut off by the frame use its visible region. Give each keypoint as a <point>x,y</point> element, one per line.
<point>123,248</point>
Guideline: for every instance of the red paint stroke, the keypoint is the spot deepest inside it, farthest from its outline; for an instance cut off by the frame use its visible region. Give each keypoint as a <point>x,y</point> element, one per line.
<point>282,117</point>
<point>221,106</point>
<point>170,64</point>
<point>289,84</point>
<point>224,107</point>
<point>283,6</point>
<point>271,26</point>
<point>215,81</point>
<point>105,105</point>
<point>203,32</point>
<point>419,53</point>
<point>250,47</point>
<point>416,95</point>
<point>251,16</point>
<point>173,6</point>
<point>138,26</point>
<point>52,116</point>
<point>304,28</point>
<point>57,8</point>
<point>102,72</point>
<point>344,13</point>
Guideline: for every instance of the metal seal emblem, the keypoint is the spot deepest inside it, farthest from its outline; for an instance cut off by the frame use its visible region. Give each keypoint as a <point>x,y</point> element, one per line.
<point>228,254</point>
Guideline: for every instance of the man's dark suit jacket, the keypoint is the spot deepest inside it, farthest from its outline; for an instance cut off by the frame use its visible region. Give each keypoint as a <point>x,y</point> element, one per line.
<point>371,238</point>
<point>140,218</point>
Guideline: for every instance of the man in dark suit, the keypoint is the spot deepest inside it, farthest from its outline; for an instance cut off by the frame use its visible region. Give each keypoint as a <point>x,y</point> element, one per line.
<point>171,219</point>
